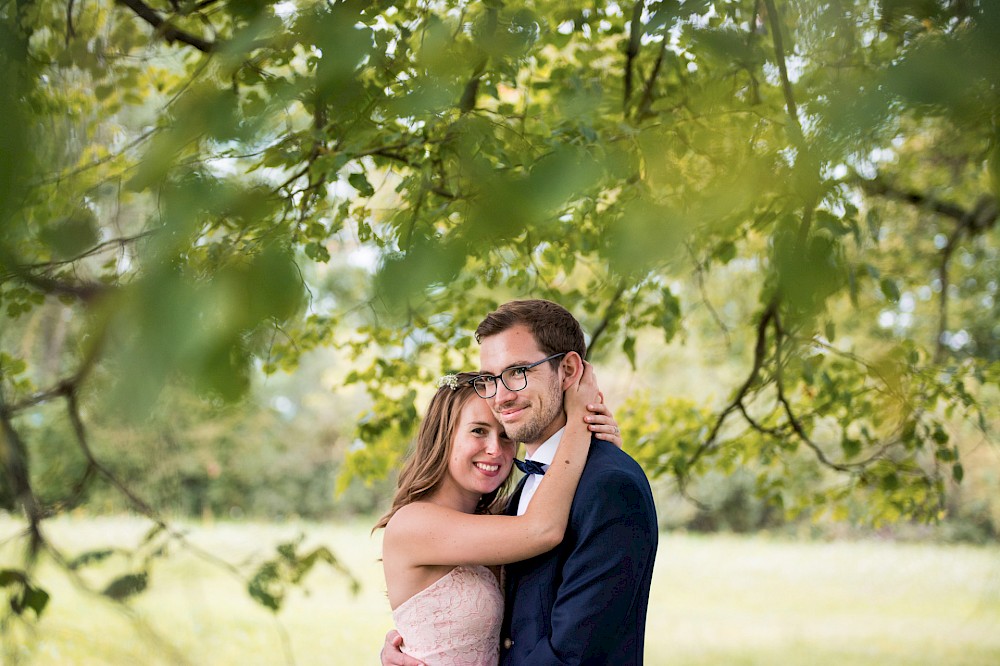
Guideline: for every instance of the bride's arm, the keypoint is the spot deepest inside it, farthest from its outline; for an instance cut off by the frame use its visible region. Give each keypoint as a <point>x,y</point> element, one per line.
<point>429,534</point>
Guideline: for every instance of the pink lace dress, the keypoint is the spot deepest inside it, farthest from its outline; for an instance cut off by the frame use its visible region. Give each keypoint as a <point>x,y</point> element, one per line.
<point>455,621</point>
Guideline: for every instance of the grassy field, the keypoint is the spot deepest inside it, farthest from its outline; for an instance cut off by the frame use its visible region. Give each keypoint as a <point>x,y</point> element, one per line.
<point>715,600</point>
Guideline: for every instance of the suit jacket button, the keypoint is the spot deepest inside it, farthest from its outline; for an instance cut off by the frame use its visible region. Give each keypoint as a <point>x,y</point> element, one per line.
<point>507,644</point>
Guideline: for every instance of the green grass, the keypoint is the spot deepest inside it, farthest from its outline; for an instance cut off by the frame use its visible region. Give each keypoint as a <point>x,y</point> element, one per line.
<point>715,600</point>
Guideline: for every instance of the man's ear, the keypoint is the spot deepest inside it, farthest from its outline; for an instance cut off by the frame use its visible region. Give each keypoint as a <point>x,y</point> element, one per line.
<point>572,366</point>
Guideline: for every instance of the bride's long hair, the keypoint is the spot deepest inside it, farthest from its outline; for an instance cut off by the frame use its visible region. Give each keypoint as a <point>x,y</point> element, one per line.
<point>427,463</point>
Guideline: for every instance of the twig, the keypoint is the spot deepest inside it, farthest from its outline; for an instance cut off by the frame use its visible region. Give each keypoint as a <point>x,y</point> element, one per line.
<point>779,55</point>
<point>647,94</point>
<point>790,415</point>
<point>70,30</point>
<point>632,52</point>
<point>165,29</point>
<point>760,353</point>
<point>970,223</point>
<point>774,432</point>
<point>880,187</point>
<point>176,656</point>
<point>606,320</point>
<point>699,271</point>
<point>14,457</point>
<point>121,241</point>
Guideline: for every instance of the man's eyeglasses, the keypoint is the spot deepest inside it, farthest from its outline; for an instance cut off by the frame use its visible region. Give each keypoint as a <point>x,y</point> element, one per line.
<point>514,378</point>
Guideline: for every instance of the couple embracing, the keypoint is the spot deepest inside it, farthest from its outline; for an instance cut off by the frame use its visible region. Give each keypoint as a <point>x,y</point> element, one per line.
<point>558,572</point>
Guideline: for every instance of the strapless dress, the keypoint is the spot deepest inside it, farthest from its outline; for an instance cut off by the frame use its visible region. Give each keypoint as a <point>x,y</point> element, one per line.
<point>455,621</point>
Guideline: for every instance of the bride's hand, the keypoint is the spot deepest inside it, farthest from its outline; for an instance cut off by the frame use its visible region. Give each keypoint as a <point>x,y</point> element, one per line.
<point>595,413</point>
<point>602,422</point>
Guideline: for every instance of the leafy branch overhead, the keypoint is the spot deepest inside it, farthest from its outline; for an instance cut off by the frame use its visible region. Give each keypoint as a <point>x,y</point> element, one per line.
<point>195,192</point>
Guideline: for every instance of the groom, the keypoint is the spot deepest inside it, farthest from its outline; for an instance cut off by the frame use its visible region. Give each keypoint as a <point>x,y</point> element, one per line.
<point>585,601</point>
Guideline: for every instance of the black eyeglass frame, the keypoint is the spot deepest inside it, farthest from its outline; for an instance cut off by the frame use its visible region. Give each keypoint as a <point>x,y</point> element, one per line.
<point>494,378</point>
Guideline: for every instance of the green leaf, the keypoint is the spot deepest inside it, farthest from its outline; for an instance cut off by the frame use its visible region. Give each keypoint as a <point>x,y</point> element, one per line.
<point>890,290</point>
<point>127,586</point>
<point>939,434</point>
<point>359,181</point>
<point>852,447</point>
<point>72,235</point>
<point>264,587</point>
<point>11,576</point>
<point>34,598</point>
<point>628,347</point>
<point>670,314</point>
<point>724,252</point>
<point>317,252</point>
<point>89,557</point>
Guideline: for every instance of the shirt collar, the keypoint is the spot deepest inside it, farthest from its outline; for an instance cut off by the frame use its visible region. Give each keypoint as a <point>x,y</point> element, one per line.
<point>545,453</point>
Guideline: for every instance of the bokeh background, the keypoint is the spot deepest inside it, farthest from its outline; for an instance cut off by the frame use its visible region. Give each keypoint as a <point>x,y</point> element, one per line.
<point>239,242</point>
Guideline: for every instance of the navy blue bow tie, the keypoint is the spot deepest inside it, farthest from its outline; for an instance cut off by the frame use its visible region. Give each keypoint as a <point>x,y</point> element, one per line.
<point>530,466</point>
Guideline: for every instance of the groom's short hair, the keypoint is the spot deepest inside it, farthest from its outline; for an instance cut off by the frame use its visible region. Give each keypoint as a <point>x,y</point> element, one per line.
<point>554,328</point>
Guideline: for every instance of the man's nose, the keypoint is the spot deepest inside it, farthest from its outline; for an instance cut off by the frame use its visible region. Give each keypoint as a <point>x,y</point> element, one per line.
<point>504,394</point>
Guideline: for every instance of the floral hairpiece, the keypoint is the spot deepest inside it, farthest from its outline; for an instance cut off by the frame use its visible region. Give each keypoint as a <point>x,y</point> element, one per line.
<point>451,381</point>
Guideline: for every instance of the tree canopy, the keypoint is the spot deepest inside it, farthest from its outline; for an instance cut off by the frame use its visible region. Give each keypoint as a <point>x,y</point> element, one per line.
<point>197,191</point>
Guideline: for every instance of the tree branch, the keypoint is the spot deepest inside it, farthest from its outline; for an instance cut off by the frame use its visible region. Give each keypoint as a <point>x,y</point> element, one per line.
<point>165,29</point>
<point>468,100</point>
<point>879,187</point>
<point>40,266</point>
<point>794,422</point>
<point>15,469</point>
<point>982,217</point>
<point>603,324</point>
<point>137,619</point>
<point>754,83</point>
<point>803,435</point>
<point>760,353</point>
<point>70,30</point>
<point>87,292</point>
<point>759,427</point>
<point>797,136</point>
<point>699,271</point>
<point>944,276</point>
<point>632,52</point>
<point>647,94</point>
<point>786,85</point>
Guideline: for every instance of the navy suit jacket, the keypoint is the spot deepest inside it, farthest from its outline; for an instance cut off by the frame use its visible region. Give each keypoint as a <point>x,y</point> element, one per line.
<point>585,601</point>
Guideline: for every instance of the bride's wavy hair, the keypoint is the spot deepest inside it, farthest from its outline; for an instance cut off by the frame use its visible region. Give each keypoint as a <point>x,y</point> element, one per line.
<point>427,463</point>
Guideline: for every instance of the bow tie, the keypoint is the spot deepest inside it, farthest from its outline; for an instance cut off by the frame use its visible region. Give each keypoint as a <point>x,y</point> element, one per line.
<point>530,466</point>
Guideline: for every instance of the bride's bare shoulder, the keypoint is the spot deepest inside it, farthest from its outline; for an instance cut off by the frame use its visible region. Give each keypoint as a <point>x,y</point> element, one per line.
<point>416,516</point>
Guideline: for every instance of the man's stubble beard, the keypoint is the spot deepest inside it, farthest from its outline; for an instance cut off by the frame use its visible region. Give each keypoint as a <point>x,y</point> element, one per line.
<point>529,432</point>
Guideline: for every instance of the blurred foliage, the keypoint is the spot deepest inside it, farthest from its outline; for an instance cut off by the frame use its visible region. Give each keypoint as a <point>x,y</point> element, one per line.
<point>289,567</point>
<point>196,194</point>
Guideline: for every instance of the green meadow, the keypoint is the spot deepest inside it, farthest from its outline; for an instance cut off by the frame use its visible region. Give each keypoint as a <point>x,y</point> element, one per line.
<point>716,600</point>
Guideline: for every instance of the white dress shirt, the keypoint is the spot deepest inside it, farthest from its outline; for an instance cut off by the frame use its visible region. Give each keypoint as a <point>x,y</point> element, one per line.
<point>543,455</point>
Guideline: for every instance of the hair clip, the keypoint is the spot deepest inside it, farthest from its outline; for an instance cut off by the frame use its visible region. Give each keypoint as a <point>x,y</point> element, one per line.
<point>451,381</point>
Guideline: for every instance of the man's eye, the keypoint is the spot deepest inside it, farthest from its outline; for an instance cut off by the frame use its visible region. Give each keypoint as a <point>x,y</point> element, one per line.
<point>517,372</point>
